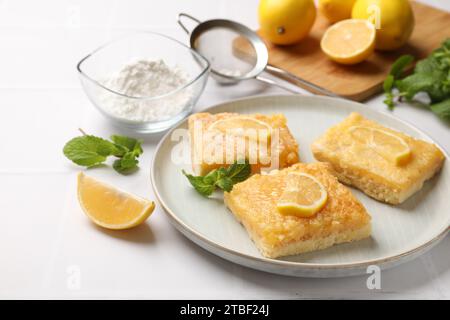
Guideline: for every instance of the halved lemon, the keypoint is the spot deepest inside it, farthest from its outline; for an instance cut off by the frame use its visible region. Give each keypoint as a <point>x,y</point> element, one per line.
<point>349,41</point>
<point>303,196</point>
<point>109,207</point>
<point>390,146</point>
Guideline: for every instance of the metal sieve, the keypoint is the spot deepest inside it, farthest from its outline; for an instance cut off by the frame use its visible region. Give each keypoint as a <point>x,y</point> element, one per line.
<point>237,53</point>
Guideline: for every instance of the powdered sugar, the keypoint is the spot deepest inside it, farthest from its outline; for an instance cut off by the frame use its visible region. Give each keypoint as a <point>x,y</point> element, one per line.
<point>140,80</point>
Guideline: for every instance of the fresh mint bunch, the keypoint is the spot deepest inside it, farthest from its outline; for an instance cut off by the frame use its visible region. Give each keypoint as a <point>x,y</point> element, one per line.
<point>89,150</point>
<point>431,75</point>
<point>223,178</point>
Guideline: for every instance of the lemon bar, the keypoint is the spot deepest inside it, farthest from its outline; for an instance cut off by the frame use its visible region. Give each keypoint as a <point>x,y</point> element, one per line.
<point>254,203</point>
<point>215,138</point>
<point>385,164</point>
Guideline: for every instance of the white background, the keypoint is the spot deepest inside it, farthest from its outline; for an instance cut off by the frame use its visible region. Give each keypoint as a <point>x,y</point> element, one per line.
<point>45,238</point>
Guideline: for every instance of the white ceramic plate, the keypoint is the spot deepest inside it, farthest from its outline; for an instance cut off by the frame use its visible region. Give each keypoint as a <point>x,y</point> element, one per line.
<point>400,233</point>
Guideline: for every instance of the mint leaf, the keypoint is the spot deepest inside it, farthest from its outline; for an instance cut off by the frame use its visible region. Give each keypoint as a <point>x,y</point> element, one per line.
<point>130,149</point>
<point>88,150</point>
<point>414,84</point>
<point>238,172</point>
<point>387,86</point>
<point>126,164</point>
<point>442,55</point>
<point>427,65</point>
<point>388,83</point>
<point>431,76</point>
<point>120,150</point>
<point>215,175</point>
<point>430,83</point>
<point>226,184</point>
<point>400,64</point>
<point>129,144</point>
<point>202,187</point>
<point>389,101</point>
<point>224,178</point>
<point>442,109</point>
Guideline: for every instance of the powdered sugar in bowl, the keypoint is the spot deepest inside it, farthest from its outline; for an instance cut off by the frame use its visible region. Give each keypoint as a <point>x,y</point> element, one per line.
<point>145,81</point>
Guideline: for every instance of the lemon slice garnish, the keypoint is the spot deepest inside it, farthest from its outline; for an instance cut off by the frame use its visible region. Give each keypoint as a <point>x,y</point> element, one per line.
<point>389,146</point>
<point>109,207</point>
<point>303,195</point>
<point>240,124</point>
<point>349,41</point>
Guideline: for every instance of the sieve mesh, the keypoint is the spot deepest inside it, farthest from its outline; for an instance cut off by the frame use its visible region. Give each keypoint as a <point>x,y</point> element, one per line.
<point>230,53</point>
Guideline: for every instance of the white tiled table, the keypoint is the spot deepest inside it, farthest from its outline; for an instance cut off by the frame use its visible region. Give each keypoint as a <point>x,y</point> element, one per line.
<point>46,241</point>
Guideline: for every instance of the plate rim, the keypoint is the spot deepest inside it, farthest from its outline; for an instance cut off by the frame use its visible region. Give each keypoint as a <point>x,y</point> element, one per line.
<point>184,228</point>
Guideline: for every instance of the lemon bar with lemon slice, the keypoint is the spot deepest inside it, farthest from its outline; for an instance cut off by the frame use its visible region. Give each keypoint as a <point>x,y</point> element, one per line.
<point>387,165</point>
<point>221,139</point>
<point>298,209</point>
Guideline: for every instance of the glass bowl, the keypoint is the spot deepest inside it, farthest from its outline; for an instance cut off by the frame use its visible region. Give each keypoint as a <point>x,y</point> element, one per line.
<point>161,112</point>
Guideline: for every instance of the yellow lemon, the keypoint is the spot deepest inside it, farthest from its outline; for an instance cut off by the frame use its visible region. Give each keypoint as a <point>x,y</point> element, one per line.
<point>349,41</point>
<point>391,147</point>
<point>286,22</point>
<point>394,21</point>
<point>303,195</point>
<point>109,207</point>
<point>336,10</point>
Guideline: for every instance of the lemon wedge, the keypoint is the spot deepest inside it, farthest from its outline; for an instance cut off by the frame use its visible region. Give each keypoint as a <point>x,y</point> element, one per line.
<point>303,196</point>
<point>389,146</point>
<point>109,207</point>
<point>349,41</point>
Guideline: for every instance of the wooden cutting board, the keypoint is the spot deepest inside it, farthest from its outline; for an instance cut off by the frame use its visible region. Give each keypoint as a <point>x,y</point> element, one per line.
<point>357,82</point>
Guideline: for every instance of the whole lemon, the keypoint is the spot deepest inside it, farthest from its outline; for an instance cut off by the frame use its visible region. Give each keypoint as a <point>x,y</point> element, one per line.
<point>336,10</point>
<point>394,21</point>
<point>286,21</point>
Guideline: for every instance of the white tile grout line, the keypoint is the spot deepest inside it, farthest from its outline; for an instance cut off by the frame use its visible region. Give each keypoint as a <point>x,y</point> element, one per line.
<point>29,171</point>
<point>41,88</point>
<point>59,27</point>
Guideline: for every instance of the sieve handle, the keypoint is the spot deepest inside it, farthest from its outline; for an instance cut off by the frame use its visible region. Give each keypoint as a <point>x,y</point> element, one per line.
<point>276,84</point>
<point>188,16</point>
<point>306,84</point>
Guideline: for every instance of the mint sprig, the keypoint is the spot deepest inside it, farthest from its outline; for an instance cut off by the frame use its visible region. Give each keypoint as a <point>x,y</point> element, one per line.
<point>89,151</point>
<point>431,75</point>
<point>133,149</point>
<point>223,178</point>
